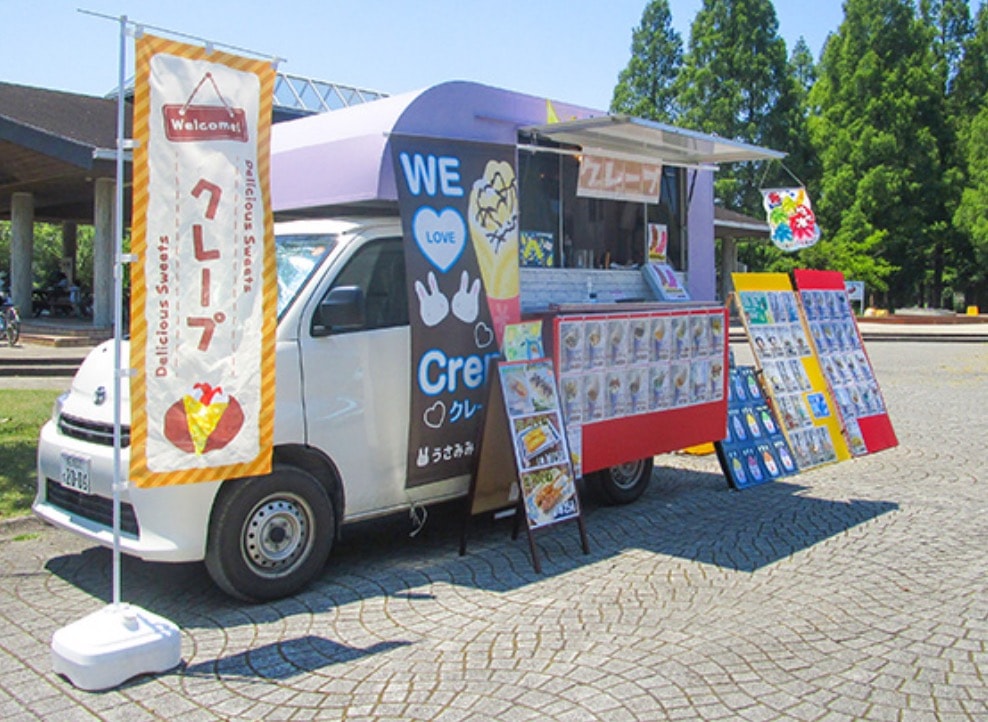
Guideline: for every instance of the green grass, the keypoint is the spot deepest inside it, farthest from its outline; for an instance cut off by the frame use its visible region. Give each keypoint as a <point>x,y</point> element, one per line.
<point>21,415</point>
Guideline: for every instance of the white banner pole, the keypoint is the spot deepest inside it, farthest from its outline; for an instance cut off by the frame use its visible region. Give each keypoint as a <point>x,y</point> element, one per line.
<point>118,371</point>
<point>119,641</point>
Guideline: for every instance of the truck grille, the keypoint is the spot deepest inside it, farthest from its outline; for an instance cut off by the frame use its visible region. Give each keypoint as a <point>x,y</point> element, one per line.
<point>94,508</point>
<point>92,431</point>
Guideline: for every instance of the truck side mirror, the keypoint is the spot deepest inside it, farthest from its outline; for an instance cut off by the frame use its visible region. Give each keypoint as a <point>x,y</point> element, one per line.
<point>342,309</point>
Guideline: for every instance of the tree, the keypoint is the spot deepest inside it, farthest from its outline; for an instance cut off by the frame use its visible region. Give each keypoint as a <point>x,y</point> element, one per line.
<point>948,23</point>
<point>736,82</point>
<point>645,86</point>
<point>877,108</point>
<point>966,102</point>
<point>971,216</point>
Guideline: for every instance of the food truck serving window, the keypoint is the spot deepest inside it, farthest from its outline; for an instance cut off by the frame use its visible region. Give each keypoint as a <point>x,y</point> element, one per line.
<point>578,231</point>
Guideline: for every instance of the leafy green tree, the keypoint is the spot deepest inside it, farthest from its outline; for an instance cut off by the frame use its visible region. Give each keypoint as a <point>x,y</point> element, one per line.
<point>736,81</point>
<point>969,103</point>
<point>948,23</point>
<point>966,102</point>
<point>971,215</point>
<point>645,86</point>
<point>878,111</point>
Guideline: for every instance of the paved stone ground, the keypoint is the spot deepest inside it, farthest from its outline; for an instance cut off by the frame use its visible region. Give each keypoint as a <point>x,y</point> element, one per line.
<point>855,591</point>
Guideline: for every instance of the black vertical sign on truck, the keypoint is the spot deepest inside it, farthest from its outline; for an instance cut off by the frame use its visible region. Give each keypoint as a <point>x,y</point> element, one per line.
<point>442,186</point>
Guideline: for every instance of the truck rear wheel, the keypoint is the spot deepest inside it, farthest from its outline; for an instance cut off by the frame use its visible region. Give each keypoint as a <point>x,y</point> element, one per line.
<point>269,536</point>
<point>624,483</point>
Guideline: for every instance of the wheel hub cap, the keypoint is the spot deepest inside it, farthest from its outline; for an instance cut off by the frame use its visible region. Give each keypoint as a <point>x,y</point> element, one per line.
<point>276,535</point>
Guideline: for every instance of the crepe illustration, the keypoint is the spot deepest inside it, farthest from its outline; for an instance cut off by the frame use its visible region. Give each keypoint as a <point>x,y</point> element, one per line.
<point>493,217</point>
<point>203,420</point>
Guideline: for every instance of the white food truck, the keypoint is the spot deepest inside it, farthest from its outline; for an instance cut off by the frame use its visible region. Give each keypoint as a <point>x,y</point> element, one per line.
<point>357,396</point>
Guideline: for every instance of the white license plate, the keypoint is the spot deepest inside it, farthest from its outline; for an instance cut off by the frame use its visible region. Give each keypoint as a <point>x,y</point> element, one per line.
<point>74,472</point>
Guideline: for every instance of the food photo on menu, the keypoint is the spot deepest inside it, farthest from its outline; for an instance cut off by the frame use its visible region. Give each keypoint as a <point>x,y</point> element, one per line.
<point>638,329</point>
<point>528,388</point>
<point>595,349</point>
<point>593,386</point>
<point>661,346</point>
<point>616,401</point>
<point>572,346</point>
<point>538,440</point>
<point>660,382</point>
<point>550,495</point>
<point>572,392</point>
<point>617,342</point>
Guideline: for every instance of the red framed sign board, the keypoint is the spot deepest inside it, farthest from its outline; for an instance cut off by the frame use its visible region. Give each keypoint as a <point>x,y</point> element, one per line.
<point>845,361</point>
<point>637,384</point>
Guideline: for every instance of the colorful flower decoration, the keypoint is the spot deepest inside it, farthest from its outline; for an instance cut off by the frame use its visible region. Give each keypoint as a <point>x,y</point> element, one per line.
<point>790,218</point>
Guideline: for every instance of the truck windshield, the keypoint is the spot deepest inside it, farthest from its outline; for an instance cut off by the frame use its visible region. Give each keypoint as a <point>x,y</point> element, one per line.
<point>298,256</point>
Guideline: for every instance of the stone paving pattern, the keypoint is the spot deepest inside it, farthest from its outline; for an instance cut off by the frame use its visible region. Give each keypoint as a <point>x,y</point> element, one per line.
<point>854,591</point>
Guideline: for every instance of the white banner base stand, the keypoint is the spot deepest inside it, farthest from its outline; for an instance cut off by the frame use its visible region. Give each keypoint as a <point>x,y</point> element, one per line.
<point>114,644</point>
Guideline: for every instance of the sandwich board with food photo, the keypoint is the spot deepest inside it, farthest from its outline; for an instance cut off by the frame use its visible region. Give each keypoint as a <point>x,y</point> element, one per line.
<point>543,487</point>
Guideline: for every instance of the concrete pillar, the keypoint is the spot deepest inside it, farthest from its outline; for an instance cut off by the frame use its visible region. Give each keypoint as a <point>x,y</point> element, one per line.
<point>21,250</point>
<point>104,250</point>
<point>70,245</point>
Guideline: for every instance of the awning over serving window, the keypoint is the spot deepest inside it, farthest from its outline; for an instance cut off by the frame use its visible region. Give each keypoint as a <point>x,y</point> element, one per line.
<point>622,136</point>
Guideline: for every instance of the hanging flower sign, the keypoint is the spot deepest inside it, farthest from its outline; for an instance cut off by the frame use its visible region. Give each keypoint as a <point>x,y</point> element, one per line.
<point>790,218</point>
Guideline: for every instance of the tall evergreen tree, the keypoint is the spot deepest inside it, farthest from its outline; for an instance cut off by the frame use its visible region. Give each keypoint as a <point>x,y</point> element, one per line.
<point>645,86</point>
<point>969,106</point>
<point>878,106</point>
<point>970,84</point>
<point>736,82</point>
<point>948,23</point>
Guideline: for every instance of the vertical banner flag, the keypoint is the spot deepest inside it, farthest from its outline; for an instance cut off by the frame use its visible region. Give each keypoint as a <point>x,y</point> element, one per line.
<point>792,224</point>
<point>203,290</point>
<point>459,210</point>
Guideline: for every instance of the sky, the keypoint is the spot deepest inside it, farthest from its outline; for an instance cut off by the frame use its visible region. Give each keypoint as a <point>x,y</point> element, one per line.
<point>566,50</point>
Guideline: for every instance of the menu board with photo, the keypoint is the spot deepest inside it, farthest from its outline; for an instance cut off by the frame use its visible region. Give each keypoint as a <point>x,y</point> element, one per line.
<point>630,367</point>
<point>541,451</point>
<point>845,362</point>
<point>790,368</point>
<point>755,450</point>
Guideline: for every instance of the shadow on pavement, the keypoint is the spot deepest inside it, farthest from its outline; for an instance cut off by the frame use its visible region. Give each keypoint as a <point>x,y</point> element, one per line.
<point>286,659</point>
<point>691,515</point>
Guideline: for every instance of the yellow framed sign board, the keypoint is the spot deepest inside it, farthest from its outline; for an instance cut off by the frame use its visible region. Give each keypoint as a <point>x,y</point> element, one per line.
<point>791,370</point>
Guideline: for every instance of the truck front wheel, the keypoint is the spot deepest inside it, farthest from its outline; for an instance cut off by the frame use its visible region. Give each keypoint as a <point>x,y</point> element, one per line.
<point>624,483</point>
<point>269,536</point>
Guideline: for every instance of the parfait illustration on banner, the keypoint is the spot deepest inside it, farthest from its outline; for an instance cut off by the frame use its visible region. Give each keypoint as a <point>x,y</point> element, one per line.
<point>494,232</point>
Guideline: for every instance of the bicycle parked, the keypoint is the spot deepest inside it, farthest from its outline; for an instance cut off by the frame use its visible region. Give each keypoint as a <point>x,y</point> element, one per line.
<point>10,322</point>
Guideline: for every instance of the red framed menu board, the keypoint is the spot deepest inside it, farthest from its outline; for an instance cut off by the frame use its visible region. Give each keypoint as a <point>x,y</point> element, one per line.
<point>633,385</point>
<point>845,362</point>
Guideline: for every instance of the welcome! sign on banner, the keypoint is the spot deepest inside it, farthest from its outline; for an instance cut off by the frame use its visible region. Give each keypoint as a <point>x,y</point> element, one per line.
<point>203,290</point>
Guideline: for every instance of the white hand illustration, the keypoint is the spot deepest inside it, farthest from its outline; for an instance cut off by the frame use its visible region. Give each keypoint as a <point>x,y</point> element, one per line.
<point>433,306</point>
<point>465,302</point>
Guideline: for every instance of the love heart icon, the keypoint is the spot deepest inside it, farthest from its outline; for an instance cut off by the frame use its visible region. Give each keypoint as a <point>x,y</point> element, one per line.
<point>440,236</point>
<point>435,415</point>
<point>482,335</point>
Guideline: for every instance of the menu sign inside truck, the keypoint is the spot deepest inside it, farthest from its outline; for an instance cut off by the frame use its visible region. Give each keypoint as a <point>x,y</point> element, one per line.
<point>203,287</point>
<point>459,211</point>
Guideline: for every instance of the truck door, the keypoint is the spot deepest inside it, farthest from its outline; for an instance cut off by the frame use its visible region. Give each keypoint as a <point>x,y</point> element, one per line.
<point>356,382</point>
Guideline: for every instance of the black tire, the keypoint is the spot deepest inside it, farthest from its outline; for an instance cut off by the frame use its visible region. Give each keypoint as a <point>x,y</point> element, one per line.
<point>269,536</point>
<point>624,483</point>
